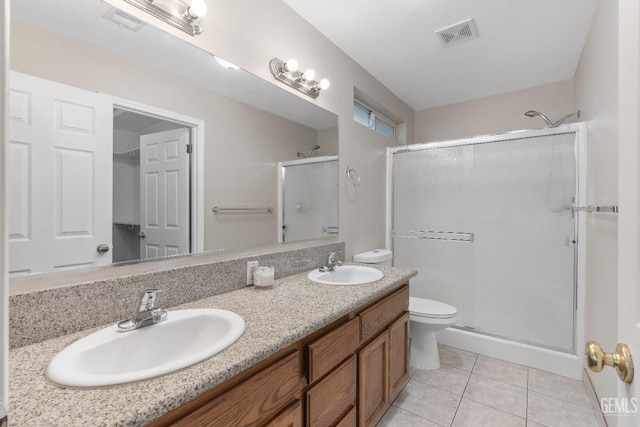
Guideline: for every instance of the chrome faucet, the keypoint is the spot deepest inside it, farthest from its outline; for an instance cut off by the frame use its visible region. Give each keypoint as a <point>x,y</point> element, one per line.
<point>148,313</point>
<point>331,263</point>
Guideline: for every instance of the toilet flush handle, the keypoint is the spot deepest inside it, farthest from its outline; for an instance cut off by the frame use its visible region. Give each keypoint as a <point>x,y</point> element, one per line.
<point>621,360</point>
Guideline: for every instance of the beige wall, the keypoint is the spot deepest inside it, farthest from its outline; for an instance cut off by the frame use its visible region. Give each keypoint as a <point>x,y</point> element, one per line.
<point>497,113</point>
<point>596,89</point>
<point>243,144</point>
<point>272,29</point>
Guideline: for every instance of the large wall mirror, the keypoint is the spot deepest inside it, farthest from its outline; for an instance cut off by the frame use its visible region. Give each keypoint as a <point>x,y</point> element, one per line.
<point>127,143</point>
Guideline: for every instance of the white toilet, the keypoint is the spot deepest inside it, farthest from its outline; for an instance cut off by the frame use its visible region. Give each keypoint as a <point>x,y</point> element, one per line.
<point>427,317</point>
<point>374,256</point>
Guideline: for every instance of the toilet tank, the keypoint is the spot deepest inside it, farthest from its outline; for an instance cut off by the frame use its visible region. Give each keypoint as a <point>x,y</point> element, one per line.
<point>375,256</point>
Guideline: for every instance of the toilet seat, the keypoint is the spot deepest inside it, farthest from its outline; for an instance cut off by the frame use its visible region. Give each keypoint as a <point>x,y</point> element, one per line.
<point>426,308</point>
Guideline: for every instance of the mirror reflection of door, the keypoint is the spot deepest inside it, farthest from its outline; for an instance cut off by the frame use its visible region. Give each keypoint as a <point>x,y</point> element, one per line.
<point>151,187</point>
<point>59,174</point>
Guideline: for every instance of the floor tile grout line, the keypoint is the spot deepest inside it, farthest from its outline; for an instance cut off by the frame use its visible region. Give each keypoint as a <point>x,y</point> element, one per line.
<point>495,379</point>
<point>463,391</point>
<point>562,400</point>
<point>418,415</point>
<point>493,407</point>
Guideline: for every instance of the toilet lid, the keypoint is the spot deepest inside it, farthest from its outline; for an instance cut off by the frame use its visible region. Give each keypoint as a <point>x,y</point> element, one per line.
<point>430,308</point>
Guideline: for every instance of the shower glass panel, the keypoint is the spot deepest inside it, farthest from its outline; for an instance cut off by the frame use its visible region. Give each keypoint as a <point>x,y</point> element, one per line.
<point>490,228</point>
<point>309,200</point>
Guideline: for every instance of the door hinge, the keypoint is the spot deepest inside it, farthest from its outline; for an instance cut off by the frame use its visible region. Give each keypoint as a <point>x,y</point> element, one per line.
<point>189,148</point>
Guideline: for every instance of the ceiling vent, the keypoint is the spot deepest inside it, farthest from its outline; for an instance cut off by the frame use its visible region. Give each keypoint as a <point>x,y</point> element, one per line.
<point>457,33</point>
<point>124,20</point>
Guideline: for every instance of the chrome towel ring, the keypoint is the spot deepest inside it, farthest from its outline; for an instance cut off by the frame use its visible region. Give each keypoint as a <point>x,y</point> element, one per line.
<point>353,176</point>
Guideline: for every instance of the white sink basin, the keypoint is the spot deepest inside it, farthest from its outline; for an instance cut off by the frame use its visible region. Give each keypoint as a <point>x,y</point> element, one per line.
<point>109,357</point>
<point>347,275</point>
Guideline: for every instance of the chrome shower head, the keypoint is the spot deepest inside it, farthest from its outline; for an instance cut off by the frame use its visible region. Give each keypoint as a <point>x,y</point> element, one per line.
<point>314,148</point>
<point>559,122</point>
<point>533,113</point>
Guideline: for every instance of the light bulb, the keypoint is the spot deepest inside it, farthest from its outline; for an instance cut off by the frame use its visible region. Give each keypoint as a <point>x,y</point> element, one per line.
<point>324,84</point>
<point>197,9</point>
<point>309,74</point>
<point>291,65</point>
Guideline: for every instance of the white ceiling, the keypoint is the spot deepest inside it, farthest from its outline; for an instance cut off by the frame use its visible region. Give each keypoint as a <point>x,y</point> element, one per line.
<point>521,43</point>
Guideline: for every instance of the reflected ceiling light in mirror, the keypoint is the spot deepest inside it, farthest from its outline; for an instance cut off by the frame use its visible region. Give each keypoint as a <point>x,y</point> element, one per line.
<point>226,64</point>
<point>181,14</point>
<point>287,73</point>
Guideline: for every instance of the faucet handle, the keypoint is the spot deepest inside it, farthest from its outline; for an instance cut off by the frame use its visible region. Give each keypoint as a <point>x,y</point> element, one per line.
<point>148,298</point>
<point>331,258</point>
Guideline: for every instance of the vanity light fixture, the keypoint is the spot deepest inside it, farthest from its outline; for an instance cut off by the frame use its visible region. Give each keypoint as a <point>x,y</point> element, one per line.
<point>183,14</point>
<point>305,82</point>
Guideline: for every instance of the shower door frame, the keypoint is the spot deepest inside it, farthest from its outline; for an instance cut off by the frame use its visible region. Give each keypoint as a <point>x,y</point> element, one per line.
<point>281,179</point>
<point>571,363</point>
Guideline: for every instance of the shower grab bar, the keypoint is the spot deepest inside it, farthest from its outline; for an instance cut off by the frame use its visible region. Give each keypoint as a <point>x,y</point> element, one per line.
<point>596,209</point>
<point>456,236</point>
<point>217,209</point>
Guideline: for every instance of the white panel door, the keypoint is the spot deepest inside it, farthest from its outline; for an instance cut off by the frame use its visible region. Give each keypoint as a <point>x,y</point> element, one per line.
<point>164,193</point>
<point>60,177</point>
<point>626,408</point>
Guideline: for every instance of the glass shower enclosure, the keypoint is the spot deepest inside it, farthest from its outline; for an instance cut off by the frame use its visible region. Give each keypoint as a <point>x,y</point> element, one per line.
<point>490,225</point>
<point>308,198</point>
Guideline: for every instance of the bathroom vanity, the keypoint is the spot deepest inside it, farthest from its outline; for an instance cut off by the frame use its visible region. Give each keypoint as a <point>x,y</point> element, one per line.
<point>311,354</point>
<point>317,379</point>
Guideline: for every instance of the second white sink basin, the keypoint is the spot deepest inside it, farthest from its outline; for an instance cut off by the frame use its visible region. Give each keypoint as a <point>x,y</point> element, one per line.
<point>347,275</point>
<point>109,357</point>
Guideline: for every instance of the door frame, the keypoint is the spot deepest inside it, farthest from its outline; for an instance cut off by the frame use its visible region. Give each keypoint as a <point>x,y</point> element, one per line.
<point>196,161</point>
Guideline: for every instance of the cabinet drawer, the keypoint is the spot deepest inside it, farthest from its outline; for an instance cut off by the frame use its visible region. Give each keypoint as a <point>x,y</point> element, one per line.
<point>374,319</point>
<point>253,400</point>
<point>349,420</point>
<point>332,396</point>
<point>326,352</point>
<point>290,417</point>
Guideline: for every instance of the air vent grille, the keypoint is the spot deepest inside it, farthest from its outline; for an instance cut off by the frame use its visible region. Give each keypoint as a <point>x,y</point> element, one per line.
<point>457,33</point>
<point>123,19</point>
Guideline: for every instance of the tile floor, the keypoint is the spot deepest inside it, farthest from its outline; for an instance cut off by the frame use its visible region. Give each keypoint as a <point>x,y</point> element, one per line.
<point>476,390</point>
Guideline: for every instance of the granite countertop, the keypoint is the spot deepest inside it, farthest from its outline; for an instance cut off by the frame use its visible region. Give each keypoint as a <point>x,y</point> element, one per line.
<point>275,318</point>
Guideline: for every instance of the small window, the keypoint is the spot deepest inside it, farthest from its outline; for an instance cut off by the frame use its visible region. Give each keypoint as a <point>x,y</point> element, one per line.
<point>373,120</point>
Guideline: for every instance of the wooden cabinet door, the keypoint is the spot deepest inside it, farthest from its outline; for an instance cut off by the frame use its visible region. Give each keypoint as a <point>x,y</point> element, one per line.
<point>373,381</point>
<point>398,355</point>
<point>290,417</point>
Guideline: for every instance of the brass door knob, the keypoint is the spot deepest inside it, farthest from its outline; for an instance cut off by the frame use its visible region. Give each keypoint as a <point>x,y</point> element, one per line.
<point>621,360</point>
